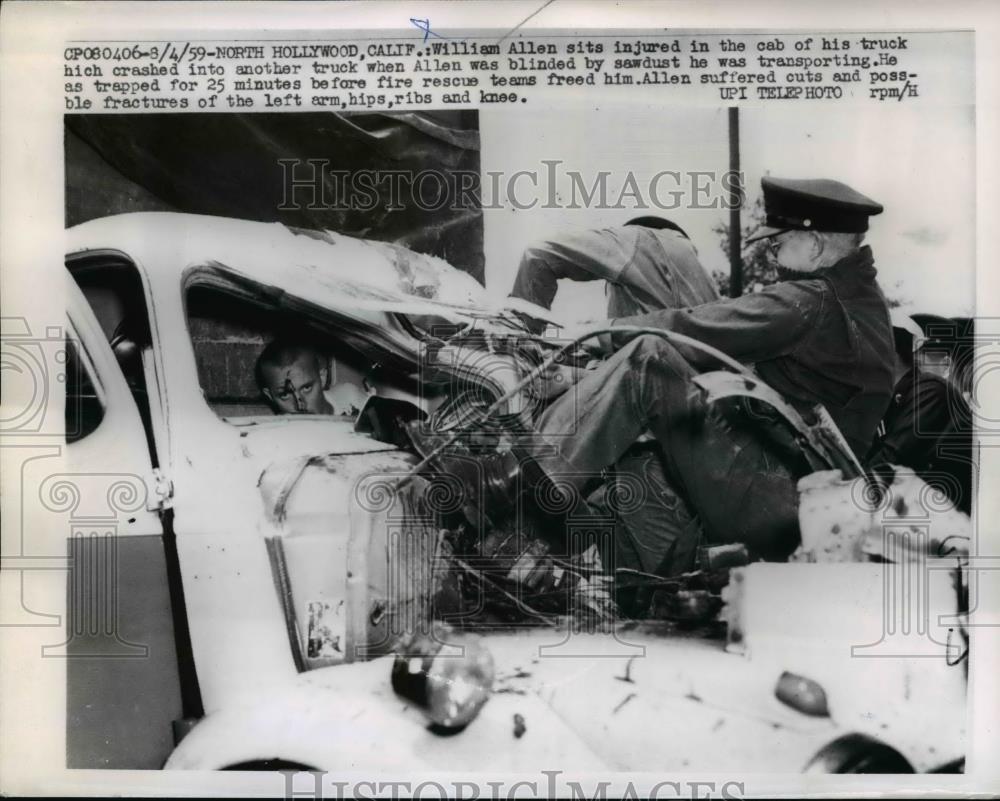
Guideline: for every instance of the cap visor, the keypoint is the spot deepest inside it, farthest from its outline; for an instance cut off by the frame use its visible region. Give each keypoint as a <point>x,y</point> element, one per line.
<point>764,232</point>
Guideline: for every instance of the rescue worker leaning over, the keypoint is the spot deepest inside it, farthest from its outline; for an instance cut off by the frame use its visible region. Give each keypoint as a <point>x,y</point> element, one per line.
<point>649,264</point>
<point>821,335</point>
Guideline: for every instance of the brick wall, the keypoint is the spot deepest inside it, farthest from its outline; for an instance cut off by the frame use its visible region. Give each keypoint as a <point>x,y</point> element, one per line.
<point>226,353</point>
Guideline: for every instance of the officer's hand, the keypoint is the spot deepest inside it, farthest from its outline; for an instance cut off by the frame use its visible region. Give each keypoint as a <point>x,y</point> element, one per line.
<point>592,345</point>
<point>558,379</point>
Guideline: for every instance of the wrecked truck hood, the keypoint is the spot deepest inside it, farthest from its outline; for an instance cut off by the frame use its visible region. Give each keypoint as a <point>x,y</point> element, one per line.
<point>584,702</point>
<point>348,718</point>
<point>591,712</point>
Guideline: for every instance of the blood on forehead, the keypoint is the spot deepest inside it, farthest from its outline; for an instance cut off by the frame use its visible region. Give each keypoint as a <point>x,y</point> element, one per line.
<point>302,370</point>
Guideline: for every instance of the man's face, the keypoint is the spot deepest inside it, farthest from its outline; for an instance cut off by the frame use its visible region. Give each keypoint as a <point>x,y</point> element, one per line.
<point>795,251</point>
<point>297,388</point>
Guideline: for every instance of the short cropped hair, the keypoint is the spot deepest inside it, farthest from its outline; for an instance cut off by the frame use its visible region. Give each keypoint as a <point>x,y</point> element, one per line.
<point>658,224</point>
<point>281,353</point>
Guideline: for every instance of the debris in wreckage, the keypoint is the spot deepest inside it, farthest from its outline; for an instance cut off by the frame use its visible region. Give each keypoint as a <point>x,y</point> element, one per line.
<point>506,571</point>
<point>686,605</point>
<point>517,581</point>
<point>717,557</point>
<point>512,576</point>
<point>544,592</point>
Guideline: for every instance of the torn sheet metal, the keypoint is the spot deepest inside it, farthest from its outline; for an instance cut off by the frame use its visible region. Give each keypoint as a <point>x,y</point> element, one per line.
<point>824,445</point>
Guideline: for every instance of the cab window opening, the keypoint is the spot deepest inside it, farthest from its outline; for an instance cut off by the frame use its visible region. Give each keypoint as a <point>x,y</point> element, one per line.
<point>232,327</point>
<point>113,289</point>
<point>84,409</point>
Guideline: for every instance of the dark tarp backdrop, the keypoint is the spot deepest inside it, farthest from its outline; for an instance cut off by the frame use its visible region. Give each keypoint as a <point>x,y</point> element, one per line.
<point>228,165</point>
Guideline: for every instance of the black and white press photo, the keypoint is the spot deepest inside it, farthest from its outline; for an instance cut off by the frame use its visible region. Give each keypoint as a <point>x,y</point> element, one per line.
<point>584,413</point>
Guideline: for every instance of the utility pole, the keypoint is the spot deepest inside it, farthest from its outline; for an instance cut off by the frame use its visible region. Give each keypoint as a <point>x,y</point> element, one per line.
<point>735,200</point>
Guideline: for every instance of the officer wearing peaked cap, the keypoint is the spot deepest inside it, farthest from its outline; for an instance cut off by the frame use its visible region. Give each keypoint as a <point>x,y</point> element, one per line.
<point>821,335</point>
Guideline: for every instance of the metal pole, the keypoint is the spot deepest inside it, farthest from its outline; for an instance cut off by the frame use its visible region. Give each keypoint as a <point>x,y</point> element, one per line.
<point>735,196</point>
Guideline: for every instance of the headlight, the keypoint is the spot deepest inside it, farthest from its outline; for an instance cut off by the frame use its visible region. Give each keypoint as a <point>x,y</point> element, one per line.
<point>449,675</point>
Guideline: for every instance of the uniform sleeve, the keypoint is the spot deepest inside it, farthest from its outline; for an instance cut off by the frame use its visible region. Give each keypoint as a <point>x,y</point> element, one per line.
<point>925,415</point>
<point>580,256</point>
<point>751,328</point>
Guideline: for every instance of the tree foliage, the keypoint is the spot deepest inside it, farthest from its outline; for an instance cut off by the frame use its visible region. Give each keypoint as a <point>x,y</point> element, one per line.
<point>758,269</point>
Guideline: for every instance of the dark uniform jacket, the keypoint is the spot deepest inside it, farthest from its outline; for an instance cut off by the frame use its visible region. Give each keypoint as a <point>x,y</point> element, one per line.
<point>822,339</point>
<point>928,428</point>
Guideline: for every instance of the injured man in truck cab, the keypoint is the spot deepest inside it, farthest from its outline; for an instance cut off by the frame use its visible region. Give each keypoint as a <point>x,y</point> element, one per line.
<point>294,378</point>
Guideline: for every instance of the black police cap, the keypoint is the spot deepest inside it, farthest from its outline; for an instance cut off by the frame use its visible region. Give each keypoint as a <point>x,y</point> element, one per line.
<point>817,204</point>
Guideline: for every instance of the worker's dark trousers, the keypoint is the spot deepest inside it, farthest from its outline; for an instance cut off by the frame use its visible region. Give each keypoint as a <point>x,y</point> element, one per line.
<point>716,466</point>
